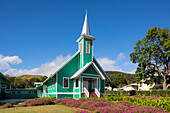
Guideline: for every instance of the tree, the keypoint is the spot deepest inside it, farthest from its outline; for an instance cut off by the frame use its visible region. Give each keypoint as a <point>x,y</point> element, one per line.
<point>152,54</point>
<point>122,80</point>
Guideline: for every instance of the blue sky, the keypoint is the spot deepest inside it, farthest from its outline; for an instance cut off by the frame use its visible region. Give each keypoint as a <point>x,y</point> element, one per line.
<point>37,36</point>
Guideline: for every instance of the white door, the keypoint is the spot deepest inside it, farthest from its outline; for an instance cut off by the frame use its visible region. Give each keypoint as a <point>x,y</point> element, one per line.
<point>85,84</point>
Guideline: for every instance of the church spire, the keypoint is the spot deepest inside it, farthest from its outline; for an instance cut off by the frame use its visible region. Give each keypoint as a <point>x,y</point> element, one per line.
<point>86,29</point>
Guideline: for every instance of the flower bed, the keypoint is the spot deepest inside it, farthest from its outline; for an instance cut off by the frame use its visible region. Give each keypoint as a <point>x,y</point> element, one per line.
<point>162,102</point>
<point>106,106</point>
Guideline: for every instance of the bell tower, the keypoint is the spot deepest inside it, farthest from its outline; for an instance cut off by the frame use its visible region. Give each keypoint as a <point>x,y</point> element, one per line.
<point>85,43</point>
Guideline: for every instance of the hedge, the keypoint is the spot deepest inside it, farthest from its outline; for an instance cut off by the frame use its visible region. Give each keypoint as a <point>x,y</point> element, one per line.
<point>155,93</point>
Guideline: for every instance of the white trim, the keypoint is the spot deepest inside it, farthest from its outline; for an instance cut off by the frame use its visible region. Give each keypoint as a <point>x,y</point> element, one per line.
<point>80,71</point>
<point>52,93</point>
<point>86,36</point>
<point>56,84</point>
<point>88,77</point>
<point>87,47</point>
<point>102,69</point>
<point>99,71</point>
<point>62,66</point>
<point>83,55</point>
<point>68,82</point>
<point>79,87</point>
<point>89,74</point>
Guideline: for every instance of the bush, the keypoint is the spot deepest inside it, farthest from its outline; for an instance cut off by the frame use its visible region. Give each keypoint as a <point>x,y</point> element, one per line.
<point>41,101</point>
<point>156,93</point>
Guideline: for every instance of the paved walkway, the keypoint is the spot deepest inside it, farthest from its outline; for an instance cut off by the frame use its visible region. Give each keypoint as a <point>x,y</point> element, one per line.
<point>16,101</point>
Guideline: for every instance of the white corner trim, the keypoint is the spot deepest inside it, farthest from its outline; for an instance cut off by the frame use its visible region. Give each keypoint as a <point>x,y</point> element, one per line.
<point>99,71</point>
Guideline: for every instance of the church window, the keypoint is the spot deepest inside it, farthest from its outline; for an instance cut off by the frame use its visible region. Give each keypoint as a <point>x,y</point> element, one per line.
<point>80,48</point>
<point>65,82</point>
<point>88,47</point>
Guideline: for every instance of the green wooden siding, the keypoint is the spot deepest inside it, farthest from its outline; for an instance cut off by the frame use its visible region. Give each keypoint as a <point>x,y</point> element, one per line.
<point>67,71</point>
<point>65,96</point>
<point>77,96</point>
<point>90,70</point>
<point>81,55</point>
<point>21,95</point>
<point>50,85</point>
<point>102,86</point>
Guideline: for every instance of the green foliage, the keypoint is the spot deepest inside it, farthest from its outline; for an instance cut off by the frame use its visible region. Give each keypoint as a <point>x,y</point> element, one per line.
<point>152,54</point>
<point>154,93</point>
<point>51,98</point>
<point>12,103</point>
<point>26,81</point>
<point>163,102</point>
<point>115,78</point>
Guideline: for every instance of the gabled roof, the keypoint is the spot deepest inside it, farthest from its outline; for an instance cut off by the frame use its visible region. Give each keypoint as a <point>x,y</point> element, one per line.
<point>96,62</point>
<point>80,71</point>
<point>62,65</point>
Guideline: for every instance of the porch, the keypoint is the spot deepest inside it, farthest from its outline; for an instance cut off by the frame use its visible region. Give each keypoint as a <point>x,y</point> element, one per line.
<point>88,86</point>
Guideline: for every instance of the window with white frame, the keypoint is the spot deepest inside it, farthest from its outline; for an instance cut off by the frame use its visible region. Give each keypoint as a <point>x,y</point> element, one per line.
<point>77,83</point>
<point>80,48</point>
<point>88,47</point>
<point>3,86</point>
<point>7,91</point>
<point>65,82</point>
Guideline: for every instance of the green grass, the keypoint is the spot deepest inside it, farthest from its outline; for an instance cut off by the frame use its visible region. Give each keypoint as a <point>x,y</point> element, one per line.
<point>40,109</point>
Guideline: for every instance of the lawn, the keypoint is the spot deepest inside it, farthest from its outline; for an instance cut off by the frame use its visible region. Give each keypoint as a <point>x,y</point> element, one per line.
<point>40,109</point>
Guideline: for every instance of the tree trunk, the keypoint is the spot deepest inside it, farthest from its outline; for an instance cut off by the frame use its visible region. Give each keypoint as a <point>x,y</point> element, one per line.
<point>164,83</point>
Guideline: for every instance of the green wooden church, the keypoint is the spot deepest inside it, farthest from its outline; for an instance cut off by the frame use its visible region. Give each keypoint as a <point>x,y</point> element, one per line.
<point>80,76</point>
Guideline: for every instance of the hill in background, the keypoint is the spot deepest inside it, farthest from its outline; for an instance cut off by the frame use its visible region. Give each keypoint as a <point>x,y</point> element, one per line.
<point>26,81</point>
<point>116,78</point>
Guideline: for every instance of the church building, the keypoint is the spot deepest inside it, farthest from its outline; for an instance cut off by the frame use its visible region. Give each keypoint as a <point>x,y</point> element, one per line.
<point>81,76</point>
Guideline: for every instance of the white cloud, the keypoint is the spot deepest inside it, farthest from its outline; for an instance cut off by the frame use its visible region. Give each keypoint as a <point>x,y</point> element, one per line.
<point>132,71</point>
<point>45,69</point>
<point>121,56</point>
<point>5,61</point>
<point>108,64</point>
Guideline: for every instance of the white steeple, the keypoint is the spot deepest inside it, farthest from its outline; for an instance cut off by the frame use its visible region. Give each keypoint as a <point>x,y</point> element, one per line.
<point>86,29</point>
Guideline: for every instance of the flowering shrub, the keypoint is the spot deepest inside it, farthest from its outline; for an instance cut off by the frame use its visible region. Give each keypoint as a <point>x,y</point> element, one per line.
<point>43,101</point>
<point>7,106</point>
<point>106,106</point>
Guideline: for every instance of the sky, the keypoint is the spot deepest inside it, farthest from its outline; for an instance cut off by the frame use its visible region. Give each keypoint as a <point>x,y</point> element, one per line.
<point>38,36</point>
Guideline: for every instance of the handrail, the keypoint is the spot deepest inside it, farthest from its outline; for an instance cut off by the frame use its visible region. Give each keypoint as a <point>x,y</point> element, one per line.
<point>97,92</point>
<point>86,92</point>
<point>46,94</point>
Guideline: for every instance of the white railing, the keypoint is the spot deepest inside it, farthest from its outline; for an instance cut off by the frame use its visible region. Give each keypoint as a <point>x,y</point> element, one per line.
<point>46,94</point>
<point>97,92</point>
<point>86,92</point>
